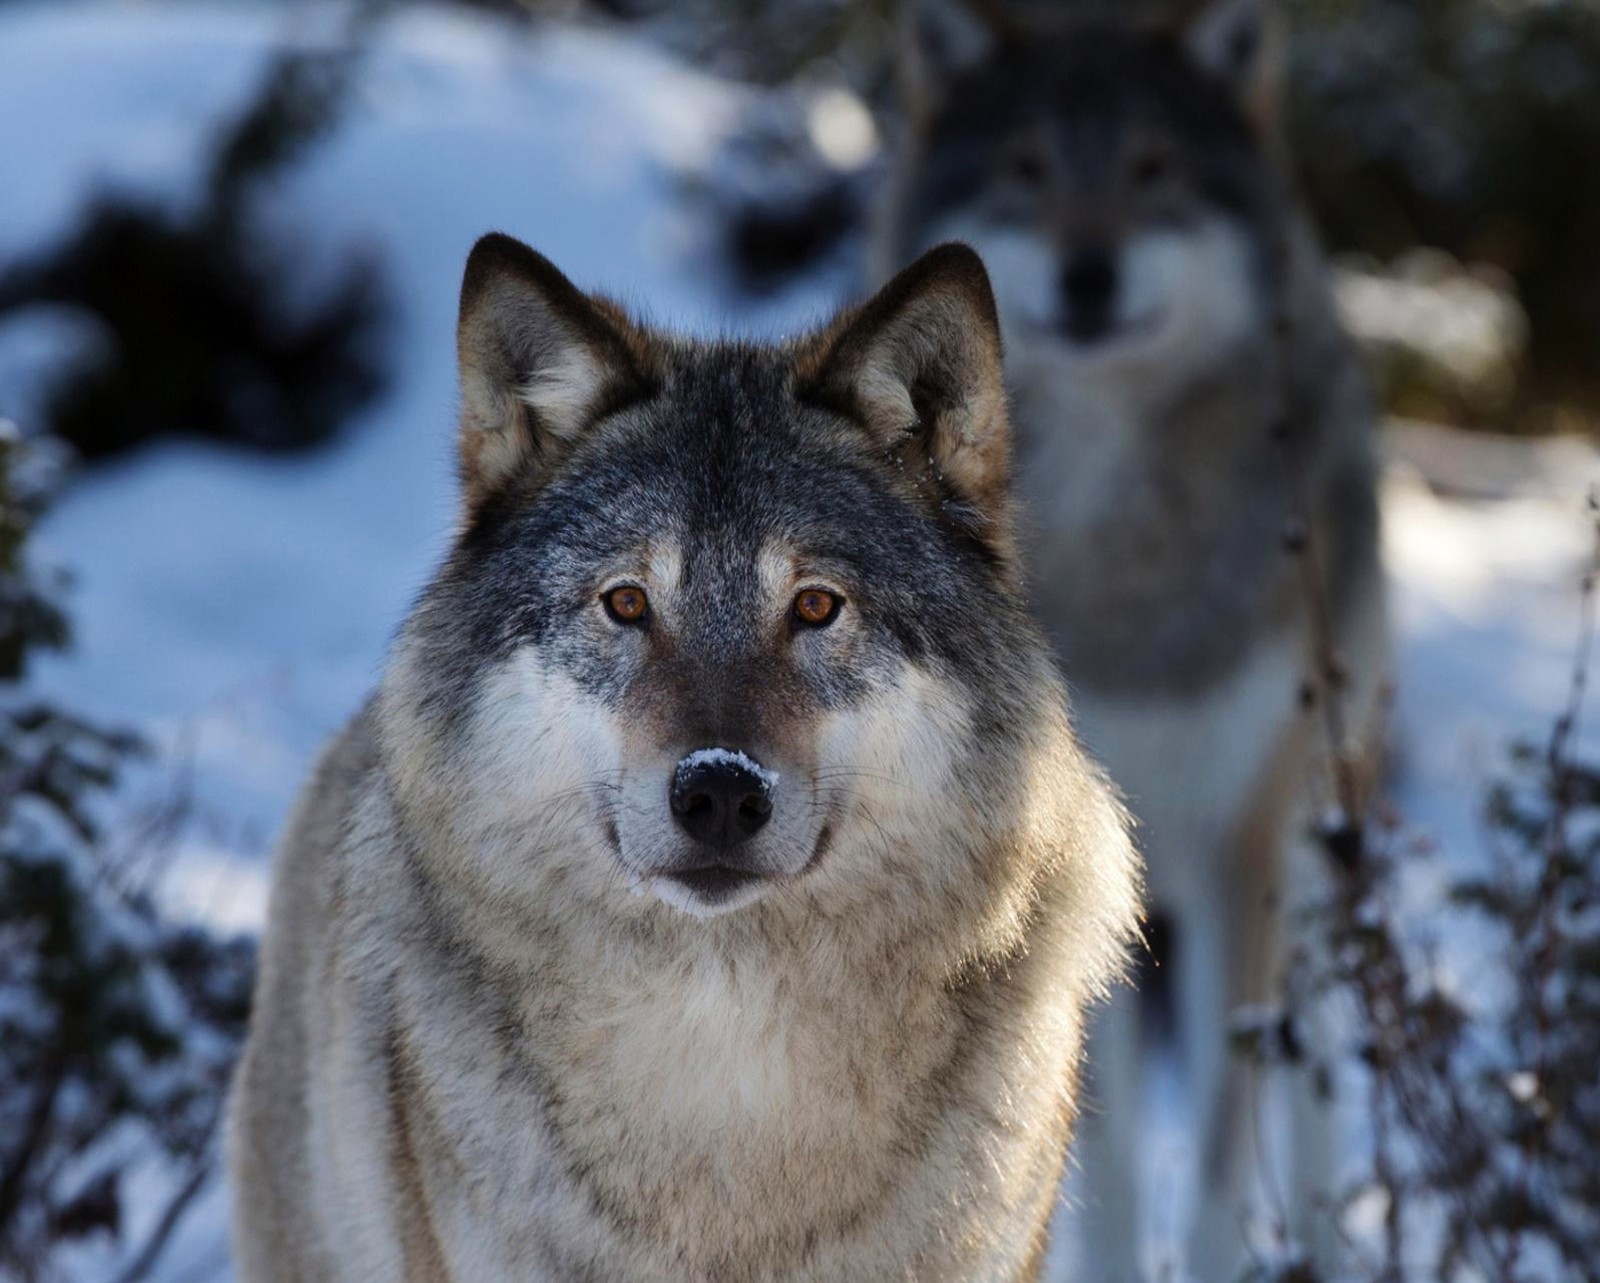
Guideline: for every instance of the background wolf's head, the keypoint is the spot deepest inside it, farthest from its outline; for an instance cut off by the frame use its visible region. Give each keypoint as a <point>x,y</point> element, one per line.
<point>1113,171</point>
<point>725,620</point>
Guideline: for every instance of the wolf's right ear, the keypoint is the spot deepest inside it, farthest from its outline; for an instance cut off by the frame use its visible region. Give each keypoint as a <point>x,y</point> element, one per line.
<point>919,368</point>
<point>540,361</point>
<point>936,41</point>
<point>1241,44</point>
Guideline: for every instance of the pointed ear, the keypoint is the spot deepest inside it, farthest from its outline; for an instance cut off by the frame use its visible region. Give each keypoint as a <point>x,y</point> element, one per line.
<point>1241,43</point>
<point>935,41</point>
<point>919,368</point>
<point>540,361</point>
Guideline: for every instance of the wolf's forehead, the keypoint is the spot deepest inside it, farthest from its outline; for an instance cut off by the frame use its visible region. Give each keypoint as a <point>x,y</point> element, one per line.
<point>726,461</point>
<point>1025,97</point>
<point>1088,139</point>
<point>681,508</point>
<point>1092,87</point>
<point>732,563</point>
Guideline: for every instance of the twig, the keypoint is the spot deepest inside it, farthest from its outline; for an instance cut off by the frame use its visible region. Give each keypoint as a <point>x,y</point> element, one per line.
<point>142,1263</point>
<point>20,1163</point>
<point>1559,765</point>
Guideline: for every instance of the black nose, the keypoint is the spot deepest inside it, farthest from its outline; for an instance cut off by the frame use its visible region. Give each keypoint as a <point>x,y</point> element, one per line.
<point>721,797</point>
<point>1088,288</point>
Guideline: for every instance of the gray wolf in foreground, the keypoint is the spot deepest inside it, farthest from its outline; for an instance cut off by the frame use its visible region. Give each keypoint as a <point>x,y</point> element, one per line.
<point>713,889</point>
<point>1123,180</point>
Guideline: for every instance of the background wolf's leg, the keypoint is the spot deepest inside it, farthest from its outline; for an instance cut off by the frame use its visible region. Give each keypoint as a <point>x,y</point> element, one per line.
<point>1218,1092</point>
<point>1227,959</point>
<point>1230,958</point>
<point>1107,1150</point>
<point>1313,1137</point>
<point>1315,1150</point>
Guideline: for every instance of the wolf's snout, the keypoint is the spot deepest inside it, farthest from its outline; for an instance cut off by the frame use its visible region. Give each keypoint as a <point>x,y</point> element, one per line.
<point>1088,292</point>
<point>721,797</point>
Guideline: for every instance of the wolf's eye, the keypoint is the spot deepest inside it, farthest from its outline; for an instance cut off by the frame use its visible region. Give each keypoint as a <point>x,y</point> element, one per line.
<point>627,604</point>
<point>1151,168</point>
<point>816,607</point>
<point>1026,167</point>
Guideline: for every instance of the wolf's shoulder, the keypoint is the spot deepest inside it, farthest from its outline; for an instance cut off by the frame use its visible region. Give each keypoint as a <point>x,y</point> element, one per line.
<point>345,768</point>
<point>345,771</point>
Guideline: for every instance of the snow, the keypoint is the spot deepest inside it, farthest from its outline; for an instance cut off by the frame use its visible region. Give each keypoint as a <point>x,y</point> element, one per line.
<point>727,757</point>
<point>238,607</point>
<point>1485,596</point>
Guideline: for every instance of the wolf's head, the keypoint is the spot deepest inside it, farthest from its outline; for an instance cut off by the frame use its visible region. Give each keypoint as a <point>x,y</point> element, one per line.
<point>724,622</point>
<point>1114,172</point>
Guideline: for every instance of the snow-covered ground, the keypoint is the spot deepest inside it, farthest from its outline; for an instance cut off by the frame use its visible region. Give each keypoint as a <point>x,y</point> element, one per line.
<point>238,608</point>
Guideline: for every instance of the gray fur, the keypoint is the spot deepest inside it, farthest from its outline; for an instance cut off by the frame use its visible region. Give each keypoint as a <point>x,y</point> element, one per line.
<point>1122,177</point>
<point>490,1043</point>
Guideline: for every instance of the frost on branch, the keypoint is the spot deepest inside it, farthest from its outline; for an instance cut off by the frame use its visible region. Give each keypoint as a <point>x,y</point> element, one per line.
<point>117,1029</point>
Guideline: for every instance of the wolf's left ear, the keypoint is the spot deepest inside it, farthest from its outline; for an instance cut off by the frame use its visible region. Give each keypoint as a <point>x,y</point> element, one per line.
<point>1240,42</point>
<point>540,362</point>
<point>919,368</point>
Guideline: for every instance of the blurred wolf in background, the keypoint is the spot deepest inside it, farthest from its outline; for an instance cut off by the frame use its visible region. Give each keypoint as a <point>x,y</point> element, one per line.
<point>1119,171</point>
<point>713,889</point>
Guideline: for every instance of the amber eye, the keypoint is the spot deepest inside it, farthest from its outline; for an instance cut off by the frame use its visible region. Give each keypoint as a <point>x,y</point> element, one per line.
<point>627,604</point>
<point>816,607</point>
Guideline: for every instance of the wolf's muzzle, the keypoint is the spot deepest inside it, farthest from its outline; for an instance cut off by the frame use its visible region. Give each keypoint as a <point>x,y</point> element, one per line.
<point>721,797</point>
<point>1088,287</point>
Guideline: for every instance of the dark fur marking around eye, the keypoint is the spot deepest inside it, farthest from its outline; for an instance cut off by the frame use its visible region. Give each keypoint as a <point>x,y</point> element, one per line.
<point>1242,47</point>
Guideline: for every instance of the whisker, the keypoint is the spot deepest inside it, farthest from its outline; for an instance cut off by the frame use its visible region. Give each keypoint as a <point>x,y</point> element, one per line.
<point>837,774</point>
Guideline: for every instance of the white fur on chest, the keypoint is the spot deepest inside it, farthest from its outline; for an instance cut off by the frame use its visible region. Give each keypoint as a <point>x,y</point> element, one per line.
<point>1190,766</point>
<point>1078,447</point>
<point>711,1048</point>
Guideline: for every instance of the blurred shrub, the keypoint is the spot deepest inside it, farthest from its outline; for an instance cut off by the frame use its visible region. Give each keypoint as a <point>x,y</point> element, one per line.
<point>770,42</point>
<point>786,193</point>
<point>1445,343</point>
<point>202,322</point>
<point>1472,126</point>
<point>1481,1100</point>
<point>1484,1108</point>
<point>118,1030</point>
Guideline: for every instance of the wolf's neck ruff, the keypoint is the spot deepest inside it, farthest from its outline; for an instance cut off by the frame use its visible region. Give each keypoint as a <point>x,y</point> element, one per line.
<point>714,887</point>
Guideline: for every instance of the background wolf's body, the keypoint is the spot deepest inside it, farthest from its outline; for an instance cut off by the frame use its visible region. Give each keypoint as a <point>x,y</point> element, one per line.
<point>1159,540</point>
<point>1121,181</point>
<point>476,1055</point>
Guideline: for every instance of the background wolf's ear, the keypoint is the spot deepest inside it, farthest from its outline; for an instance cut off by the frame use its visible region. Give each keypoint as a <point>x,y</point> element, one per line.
<point>936,41</point>
<point>919,368</point>
<point>1241,43</point>
<point>540,361</point>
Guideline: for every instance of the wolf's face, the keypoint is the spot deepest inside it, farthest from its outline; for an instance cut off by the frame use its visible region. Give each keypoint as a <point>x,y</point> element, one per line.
<point>722,616</point>
<point>1111,177</point>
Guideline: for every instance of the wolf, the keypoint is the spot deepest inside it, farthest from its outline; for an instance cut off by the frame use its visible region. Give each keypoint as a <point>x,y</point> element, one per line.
<point>713,887</point>
<point>1167,315</point>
